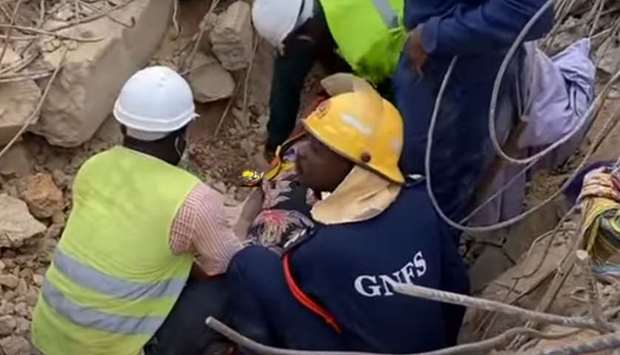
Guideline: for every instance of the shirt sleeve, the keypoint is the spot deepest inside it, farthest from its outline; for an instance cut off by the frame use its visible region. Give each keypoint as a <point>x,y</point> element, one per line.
<point>491,25</point>
<point>200,227</point>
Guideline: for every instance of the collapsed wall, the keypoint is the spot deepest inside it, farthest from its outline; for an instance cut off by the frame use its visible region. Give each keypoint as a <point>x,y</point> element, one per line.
<point>83,95</point>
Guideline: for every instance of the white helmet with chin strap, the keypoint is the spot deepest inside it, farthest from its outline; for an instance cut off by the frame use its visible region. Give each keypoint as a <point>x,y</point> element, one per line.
<point>274,20</point>
<point>153,103</point>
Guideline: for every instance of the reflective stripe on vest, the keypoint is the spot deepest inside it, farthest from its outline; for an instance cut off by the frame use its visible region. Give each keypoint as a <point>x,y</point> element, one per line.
<point>389,16</point>
<point>88,277</point>
<point>90,318</point>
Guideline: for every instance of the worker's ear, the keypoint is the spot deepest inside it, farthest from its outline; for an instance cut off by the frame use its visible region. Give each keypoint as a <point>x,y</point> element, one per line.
<point>339,83</point>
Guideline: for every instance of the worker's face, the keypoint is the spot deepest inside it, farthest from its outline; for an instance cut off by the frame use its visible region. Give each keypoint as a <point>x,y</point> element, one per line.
<point>320,168</point>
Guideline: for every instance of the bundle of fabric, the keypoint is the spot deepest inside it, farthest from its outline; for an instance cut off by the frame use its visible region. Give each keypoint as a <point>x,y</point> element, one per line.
<point>600,202</point>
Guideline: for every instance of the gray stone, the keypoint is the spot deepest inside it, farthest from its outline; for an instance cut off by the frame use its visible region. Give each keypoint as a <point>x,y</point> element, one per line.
<point>209,80</point>
<point>17,226</point>
<point>17,161</point>
<point>231,38</point>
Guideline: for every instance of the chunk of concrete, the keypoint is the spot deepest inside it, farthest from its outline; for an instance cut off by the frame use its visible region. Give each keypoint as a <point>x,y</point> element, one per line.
<point>17,226</point>
<point>18,101</point>
<point>209,80</point>
<point>42,196</point>
<point>83,95</point>
<point>231,38</point>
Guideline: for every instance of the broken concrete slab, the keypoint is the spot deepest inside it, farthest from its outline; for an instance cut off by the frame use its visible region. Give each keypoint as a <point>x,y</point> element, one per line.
<point>17,226</point>
<point>18,101</point>
<point>231,38</point>
<point>43,197</point>
<point>83,95</point>
<point>209,80</point>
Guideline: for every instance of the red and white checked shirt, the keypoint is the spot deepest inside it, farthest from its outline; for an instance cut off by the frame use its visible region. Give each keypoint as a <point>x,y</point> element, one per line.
<point>201,228</point>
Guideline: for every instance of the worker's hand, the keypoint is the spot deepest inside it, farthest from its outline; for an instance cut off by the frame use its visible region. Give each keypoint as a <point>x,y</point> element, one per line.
<point>415,50</point>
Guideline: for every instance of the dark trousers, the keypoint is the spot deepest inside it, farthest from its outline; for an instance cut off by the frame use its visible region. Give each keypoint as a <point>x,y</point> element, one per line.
<point>184,331</point>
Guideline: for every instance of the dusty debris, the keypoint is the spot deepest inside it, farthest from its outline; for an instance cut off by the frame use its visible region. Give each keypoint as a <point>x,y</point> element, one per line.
<point>83,95</point>
<point>43,197</point>
<point>17,226</point>
<point>209,80</point>
<point>15,345</point>
<point>231,38</point>
<point>18,101</point>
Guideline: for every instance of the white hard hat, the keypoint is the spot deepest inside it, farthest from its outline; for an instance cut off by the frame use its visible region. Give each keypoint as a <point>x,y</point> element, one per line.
<point>276,19</point>
<point>154,102</point>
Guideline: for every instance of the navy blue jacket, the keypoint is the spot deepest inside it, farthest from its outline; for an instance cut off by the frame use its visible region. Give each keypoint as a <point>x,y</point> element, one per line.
<point>480,33</point>
<point>349,270</point>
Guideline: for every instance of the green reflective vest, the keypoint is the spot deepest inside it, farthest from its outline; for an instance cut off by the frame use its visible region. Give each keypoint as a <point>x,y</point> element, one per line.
<point>369,33</point>
<point>113,279</point>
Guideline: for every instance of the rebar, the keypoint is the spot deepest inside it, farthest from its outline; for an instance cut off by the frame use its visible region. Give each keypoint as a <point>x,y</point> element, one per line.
<point>489,305</point>
<point>37,109</point>
<point>471,348</point>
<point>603,342</point>
<point>592,291</point>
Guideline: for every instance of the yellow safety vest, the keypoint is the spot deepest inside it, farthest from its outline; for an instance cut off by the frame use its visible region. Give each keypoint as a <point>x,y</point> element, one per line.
<point>113,279</point>
<point>369,33</point>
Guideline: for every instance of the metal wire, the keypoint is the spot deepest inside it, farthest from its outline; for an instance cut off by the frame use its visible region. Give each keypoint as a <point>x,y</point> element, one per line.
<point>495,306</point>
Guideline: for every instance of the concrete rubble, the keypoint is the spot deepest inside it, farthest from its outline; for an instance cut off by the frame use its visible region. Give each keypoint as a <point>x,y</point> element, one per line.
<point>42,196</point>
<point>231,38</point>
<point>17,226</point>
<point>18,101</point>
<point>83,95</point>
<point>209,80</point>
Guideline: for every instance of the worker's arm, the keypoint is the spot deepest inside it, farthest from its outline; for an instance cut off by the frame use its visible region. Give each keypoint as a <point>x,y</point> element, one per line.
<point>289,73</point>
<point>474,29</point>
<point>264,309</point>
<point>202,229</point>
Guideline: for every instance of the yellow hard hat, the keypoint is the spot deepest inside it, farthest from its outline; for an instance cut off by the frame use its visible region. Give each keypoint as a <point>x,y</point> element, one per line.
<point>362,127</point>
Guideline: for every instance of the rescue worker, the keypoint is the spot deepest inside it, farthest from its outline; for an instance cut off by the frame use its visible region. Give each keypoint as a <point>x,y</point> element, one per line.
<point>365,37</point>
<point>480,33</point>
<point>120,275</point>
<point>332,288</point>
